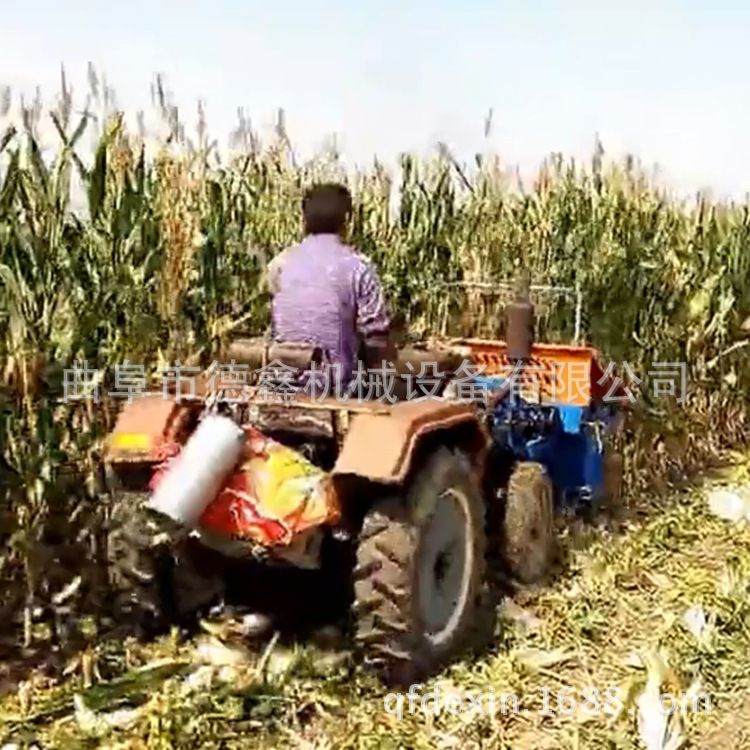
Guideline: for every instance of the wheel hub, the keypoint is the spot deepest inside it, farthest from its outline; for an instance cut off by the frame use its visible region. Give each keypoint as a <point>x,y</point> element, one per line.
<point>444,566</point>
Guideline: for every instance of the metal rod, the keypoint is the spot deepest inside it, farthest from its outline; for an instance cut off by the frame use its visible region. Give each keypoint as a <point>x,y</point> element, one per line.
<point>509,287</point>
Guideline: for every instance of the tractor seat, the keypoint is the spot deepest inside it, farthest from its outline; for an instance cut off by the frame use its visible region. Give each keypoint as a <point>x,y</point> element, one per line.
<point>411,360</point>
<point>258,353</point>
<point>273,363</point>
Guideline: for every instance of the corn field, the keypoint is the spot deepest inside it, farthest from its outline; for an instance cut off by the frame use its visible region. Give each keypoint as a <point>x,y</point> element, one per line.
<point>166,259</point>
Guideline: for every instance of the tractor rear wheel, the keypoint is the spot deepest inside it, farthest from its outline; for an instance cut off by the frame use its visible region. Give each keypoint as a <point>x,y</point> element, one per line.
<point>530,542</point>
<point>153,583</point>
<point>418,581</point>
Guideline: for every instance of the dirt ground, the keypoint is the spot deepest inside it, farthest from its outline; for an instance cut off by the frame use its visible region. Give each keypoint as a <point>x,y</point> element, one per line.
<point>733,731</point>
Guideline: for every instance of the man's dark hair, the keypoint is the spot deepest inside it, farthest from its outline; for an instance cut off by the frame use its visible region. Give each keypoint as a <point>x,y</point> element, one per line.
<point>326,208</point>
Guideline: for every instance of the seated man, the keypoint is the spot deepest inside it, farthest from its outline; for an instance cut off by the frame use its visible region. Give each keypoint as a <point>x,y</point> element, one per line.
<point>325,293</point>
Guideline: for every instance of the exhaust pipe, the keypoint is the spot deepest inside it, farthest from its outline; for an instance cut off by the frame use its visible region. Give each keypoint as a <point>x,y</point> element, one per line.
<point>520,322</point>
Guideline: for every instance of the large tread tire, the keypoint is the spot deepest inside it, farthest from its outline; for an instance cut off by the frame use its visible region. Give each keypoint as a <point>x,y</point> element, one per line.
<point>529,538</point>
<point>390,579</point>
<point>152,582</point>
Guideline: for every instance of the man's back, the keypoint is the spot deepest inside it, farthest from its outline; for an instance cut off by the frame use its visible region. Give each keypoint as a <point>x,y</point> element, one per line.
<point>327,294</point>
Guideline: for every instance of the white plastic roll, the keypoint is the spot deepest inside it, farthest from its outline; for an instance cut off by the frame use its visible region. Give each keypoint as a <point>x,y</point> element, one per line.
<point>199,471</point>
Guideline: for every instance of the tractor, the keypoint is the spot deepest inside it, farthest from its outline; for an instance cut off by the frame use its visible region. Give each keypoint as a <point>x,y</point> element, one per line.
<point>403,501</point>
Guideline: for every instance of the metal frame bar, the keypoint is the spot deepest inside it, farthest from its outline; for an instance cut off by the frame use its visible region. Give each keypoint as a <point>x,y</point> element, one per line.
<point>574,292</point>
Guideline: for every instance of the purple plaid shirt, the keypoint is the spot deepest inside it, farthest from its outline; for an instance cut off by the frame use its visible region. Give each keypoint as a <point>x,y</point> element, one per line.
<point>326,294</point>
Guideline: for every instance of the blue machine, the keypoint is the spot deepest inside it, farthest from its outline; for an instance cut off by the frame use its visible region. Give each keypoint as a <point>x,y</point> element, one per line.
<point>567,440</point>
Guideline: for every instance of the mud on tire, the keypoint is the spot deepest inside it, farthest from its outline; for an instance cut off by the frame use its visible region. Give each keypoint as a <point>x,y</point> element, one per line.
<point>419,577</point>
<point>152,582</point>
<point>529,540</point>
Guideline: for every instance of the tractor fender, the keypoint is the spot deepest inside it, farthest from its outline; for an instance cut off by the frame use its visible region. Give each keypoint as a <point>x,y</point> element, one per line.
<point>381,446</point>
<point>144,426</point>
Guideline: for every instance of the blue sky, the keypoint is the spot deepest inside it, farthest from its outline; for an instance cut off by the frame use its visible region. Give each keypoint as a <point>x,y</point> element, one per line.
<point>668,80</point>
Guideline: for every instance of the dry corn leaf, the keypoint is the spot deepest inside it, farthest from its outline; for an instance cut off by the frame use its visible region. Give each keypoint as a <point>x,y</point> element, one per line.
<point>730,504</point>
<point>91,722</point>
<point>513,612</point>
<point>700,625</point>
<point>659,726</point>
<point>541,659</point>
<point>215,653</point>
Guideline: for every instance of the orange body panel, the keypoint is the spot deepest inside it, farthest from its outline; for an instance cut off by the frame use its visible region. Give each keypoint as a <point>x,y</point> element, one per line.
<point>144,427</point>
<point>378,443</point>
<point>379,446</point>
<point>561,373</point>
